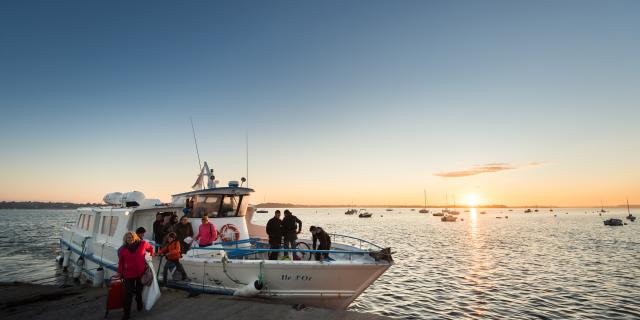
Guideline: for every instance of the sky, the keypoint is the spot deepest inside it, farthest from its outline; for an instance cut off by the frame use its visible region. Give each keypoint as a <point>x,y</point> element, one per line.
<point>343,102</point>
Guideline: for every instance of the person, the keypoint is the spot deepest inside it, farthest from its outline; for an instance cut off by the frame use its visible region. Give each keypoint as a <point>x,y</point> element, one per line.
<point>131,267</point>
<point>274,230</point>
<point>140,232</point>
<point>158,225</point>
<point>170,226</point>
<point>183,231</point>
<point>173,254</point>
<point>289,230</point>
<point>319,235</point>
<point>207,233</point>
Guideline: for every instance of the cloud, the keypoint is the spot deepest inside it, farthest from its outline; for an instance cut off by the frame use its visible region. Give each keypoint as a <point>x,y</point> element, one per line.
<point>486,168</point>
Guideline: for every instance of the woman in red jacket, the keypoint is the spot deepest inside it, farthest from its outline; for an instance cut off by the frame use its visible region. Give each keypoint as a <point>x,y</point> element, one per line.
<point>131,266</point>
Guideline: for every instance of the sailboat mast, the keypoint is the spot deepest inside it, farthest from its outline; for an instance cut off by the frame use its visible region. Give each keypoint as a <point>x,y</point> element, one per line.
<point>425,198</point>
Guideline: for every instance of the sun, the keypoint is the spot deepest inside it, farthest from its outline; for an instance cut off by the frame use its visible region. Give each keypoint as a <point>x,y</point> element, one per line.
<point>472,199</point>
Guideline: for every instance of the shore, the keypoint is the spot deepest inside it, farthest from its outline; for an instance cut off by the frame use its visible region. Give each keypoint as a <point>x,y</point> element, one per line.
<point>32,301</point>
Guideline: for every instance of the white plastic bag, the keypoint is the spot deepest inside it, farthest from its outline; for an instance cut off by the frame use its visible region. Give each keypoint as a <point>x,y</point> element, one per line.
<point>188,240</point>
<point>151,294</point>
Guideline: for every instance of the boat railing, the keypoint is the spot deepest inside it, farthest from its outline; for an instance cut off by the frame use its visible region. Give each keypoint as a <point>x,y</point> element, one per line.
<point>353,241</point>
<point>256,248</point>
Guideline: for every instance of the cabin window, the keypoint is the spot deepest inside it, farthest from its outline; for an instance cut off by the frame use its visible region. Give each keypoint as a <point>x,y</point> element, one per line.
<point>205,205</point>
<point>105,225</point>
<point>80,221</point>
<point>113,226</point>
<point>88,222</point>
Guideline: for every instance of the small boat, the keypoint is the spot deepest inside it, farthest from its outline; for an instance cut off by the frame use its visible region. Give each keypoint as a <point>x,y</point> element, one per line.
<point>454,211</point>
<point>389,209</point>
<point>527,211</point>
<point>483,212</point>
<point>364,214</point>
<point>351,211</point>
<point>602,210</point>
<point>498,217</point>
<point>630,216</point>
<point>425,210</point>
<point>449,218</point>
<point>613,222</point>
<point>262,211</point>
<point>438,214</point>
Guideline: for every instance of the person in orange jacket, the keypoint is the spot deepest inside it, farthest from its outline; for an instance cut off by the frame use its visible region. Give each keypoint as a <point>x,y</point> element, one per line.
<point>173,255</point>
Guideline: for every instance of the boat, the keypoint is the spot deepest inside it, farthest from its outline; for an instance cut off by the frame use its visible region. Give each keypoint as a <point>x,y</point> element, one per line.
<point>389,209</point>
<point>448,218</point>
<point>262,211</point>
<point>351,211</point>
<point>364,214</point>
<point>527,211</point>
<point>424,210</point>
<point>602,210</point>
<point>629,216</point>
<point>483,212</point>
<point>454,211</point>
<point>613,222</point>
<point>237,264</point>
<point>438,214</point>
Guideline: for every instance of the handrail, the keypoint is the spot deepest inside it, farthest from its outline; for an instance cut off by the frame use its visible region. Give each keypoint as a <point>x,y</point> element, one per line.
<point>254,250</point>
<point>354,238</point>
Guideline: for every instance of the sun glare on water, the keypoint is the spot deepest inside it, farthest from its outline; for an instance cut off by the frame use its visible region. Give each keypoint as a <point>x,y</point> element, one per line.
<point>472,199</point>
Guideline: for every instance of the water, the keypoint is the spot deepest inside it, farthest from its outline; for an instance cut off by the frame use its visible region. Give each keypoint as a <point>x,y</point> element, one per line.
<point>527,266</point>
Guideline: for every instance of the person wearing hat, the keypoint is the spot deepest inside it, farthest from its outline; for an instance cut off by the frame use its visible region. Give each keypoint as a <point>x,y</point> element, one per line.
<point>173,254</point>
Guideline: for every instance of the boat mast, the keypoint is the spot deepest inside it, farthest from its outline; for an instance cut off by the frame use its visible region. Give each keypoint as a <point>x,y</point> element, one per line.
<point>628,210</point>
<point>425,198</point>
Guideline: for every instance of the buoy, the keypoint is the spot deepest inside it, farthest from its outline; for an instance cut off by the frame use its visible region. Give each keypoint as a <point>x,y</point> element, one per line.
<point>77,270</point>
<point>65,258</point>
<point>250,290</point>
<point>98,278</point>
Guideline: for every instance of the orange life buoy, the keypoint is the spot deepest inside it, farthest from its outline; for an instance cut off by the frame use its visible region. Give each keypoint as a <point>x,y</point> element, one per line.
<point>229,232</point>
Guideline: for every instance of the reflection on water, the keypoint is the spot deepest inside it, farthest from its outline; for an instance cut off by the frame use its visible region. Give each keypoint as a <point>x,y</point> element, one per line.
<point>527,266</point>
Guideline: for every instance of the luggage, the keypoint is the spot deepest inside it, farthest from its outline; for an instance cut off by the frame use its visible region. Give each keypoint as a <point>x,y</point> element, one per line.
<point>115,296</point>
<point>151,293</point>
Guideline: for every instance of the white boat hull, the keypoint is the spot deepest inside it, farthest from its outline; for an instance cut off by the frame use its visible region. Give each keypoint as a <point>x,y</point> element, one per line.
<point>333,284</point>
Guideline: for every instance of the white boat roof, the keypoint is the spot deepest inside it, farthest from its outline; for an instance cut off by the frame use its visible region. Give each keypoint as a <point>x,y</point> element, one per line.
<point>236,191</point>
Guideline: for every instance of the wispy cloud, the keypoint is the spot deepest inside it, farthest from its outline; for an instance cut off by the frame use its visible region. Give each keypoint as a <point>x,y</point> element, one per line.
<point>486,168</point>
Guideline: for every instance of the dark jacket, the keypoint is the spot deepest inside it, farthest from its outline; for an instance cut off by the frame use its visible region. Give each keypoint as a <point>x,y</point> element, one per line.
<point>274,229</point>
<point>158,235</point>
<point>289,229</point>
<point>324,239</point>
<point>183,231</point>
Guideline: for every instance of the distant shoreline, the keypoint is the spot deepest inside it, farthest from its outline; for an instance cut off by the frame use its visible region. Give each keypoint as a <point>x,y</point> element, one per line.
<point>34,205</point>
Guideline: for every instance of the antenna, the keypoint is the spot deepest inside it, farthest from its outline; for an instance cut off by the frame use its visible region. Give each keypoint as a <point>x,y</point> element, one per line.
<point>247,146</point>
<point>196,143</point>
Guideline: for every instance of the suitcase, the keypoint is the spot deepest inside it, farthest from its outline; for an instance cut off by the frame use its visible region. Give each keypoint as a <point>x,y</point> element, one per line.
<point>115,296</point>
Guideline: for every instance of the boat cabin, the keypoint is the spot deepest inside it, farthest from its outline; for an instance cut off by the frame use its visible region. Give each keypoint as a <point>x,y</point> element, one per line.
<point>215,202</point>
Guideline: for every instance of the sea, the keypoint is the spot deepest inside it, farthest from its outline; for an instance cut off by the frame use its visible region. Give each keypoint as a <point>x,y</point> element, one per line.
<point>503,264</point>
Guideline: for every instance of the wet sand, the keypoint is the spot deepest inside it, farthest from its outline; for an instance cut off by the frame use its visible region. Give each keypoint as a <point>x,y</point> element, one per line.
<point>32,301</point>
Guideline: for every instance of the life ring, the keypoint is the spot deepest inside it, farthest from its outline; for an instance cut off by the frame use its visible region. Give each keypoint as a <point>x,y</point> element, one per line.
<point>229,232</point>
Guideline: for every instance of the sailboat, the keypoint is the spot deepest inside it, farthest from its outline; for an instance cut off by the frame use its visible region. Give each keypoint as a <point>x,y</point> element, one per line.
<point>446,208</point>
<point>454,211</point>
<point>425,210</point>
<point>630,216</point>
<point>602,210</point>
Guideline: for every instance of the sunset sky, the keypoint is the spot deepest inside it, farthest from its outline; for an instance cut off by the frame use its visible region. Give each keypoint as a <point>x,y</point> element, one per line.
<point>364,102</point>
